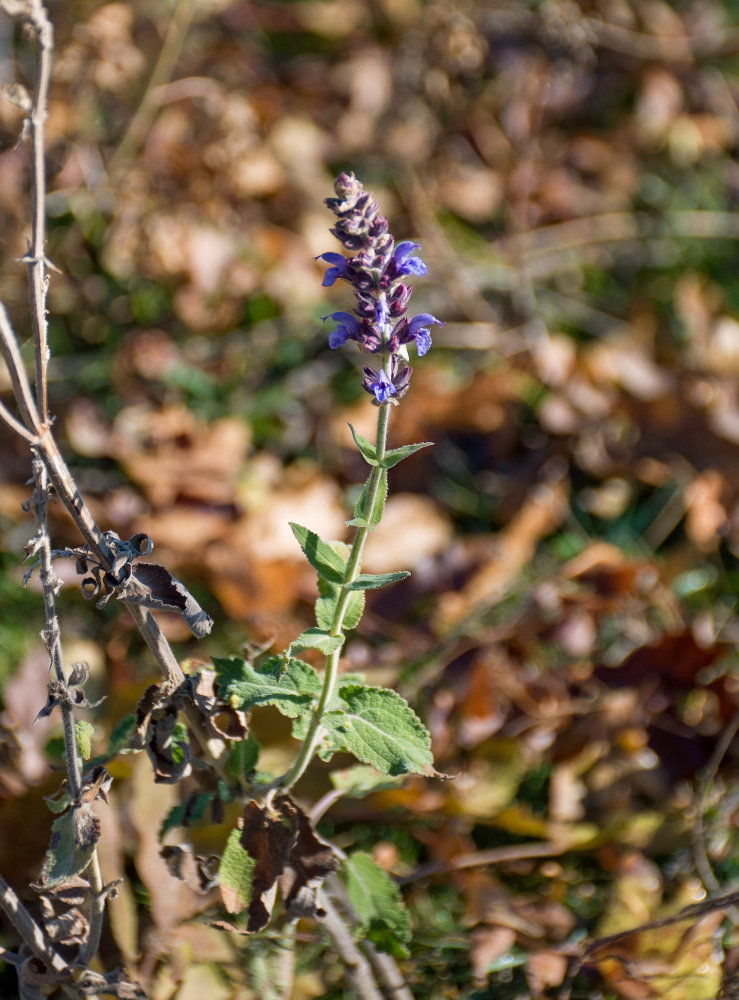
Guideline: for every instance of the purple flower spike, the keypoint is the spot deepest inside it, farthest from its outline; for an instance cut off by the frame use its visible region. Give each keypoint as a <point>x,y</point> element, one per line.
<point>347,329</point>
<point>336,271</point>
<point>377,269</point>
<point>418,331</point>
<point>404,263</point>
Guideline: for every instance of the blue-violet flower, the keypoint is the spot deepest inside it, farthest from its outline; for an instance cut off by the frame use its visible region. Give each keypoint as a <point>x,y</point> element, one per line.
<point>376,271</point>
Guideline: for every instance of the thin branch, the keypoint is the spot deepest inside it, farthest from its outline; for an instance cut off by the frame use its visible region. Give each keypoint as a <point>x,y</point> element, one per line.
<point>15,425</point>
<point>387,970</point>
<point>98,896</point>
<point>179,26</point>
<point>700,853</point>
<point>11,352</point>
<point>691,912</point>
<point>51,634</point>
<point>359,971</point>
<point>36,259</point>
<point>28,929</point>
<point>493,856</point>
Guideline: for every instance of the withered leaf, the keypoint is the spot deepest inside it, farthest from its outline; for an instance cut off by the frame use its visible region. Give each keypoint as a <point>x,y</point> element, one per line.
<point>153,586</point>
<point>311,861</point>
<point>199,873</point>
<point>222,719</point>
<point>70,928</point>
<point>282,849</point>
<point>114,984</point>
<point>156,719</point>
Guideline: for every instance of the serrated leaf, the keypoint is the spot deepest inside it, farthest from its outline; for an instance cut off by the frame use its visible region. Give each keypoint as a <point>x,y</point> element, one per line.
<point>74,835</point>
<point>322,557</point>
<point>316,638</point>
<point>325,606</point>
<point>378,904</point>
<point>368,450</point>
<point>361,780</point>
<point>373,581</point>
<point>379,728</point>
<point>243,757</point>
<point>83,734</point>
<point>367,511</point>
<point>398,454</point>
<point>236,874</point>
<point>292,693</point>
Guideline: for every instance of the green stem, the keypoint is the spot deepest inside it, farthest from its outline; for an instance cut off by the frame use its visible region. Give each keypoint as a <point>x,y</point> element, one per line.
<point>353,567</point>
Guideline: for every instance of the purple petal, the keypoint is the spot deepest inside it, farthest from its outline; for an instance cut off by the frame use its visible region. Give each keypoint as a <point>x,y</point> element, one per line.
<point>382,387</point>
<point>423,342</point>
<point>406,264</point>
<point>423,319</point>
<point>338,337</point>
<point>347,329</point>
<point>346,319</point>
<point>338,270</point>
<point>403,249</point>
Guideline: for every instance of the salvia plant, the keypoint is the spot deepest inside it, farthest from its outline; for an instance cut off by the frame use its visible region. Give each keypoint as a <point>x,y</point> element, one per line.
<point>194,723</point>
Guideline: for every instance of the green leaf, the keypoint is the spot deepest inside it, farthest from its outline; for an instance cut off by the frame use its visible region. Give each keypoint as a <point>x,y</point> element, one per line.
<point>243,757</point>
<point>317,638</point>
<point>366,513</point>
<point>180,743</point>
<point>173,819</point>
<point>83,734</point>
<point>322,557</point>
<point>378,904</point>
<point>73,838</point>
<point>326,606</point>
<point>398,454</point>
<point>379,728</point>
<point>122,732</point>
<point>291,690</point>
<point>360,780</point>
<point>187,812</point>
<point>236,874</point>
<point>59,801</point>
<point>373,581</point>
<point>369,452</point>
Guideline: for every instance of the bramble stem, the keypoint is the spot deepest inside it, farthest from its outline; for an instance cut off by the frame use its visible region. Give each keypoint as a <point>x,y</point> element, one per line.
<point>353,566</point>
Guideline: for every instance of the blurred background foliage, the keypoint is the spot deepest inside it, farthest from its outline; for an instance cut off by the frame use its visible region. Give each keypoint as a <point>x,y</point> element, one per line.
<point>568,633</point>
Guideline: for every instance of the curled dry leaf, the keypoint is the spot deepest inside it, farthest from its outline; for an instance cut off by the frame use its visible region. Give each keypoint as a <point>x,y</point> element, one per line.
<point>156,718</point>
<point>223,719</point>
<point>154,587</point>
<point>115,984</point>
<point>200,874</point>
<point>280,847</point>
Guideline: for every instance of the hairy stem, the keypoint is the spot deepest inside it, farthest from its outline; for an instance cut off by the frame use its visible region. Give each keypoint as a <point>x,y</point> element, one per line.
<point>353,566</point>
